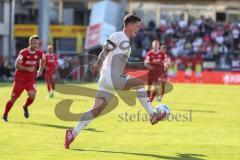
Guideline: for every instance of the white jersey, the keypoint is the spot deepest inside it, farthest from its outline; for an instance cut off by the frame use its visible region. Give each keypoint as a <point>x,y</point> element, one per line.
<point>111,78</point>
<point>116,59</point>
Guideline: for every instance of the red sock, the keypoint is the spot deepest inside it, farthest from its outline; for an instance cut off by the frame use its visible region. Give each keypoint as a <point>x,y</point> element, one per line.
<point>8,107</point>
<point>28,102</point>
<point>163,88</point>
<point>48,87</point>
<point>148,93</point>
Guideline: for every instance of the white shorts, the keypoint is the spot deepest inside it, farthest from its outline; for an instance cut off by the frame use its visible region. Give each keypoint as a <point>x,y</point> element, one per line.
<point>108,85</point>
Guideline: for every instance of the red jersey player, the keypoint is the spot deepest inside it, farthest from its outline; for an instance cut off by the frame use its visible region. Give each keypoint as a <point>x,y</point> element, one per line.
<point>156,61</point>
<point>26,74</point>
<point>51,66</point>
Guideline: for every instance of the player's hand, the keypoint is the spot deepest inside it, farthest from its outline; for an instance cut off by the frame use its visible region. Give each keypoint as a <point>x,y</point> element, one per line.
<point>95,68</point>
<point>30,69</point>
<point>166,66</point>
<point>39,73</point>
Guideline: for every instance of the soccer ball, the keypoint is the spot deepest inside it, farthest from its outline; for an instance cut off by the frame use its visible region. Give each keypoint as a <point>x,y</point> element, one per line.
<point>161,108</point>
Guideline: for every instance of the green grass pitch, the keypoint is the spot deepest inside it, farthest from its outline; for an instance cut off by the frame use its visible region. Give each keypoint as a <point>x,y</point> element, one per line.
<point>211,130</point>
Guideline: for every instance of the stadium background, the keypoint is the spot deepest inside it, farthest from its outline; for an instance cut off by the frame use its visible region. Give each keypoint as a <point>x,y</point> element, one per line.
<point>212,128</point>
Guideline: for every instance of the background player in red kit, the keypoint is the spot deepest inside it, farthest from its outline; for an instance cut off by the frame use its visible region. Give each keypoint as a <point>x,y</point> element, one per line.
<point>25,75</point>
<point>51,66</point>
<point>157,62</point>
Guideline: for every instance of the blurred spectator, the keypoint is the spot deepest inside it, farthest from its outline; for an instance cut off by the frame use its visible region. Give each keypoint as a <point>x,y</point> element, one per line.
<point>235,35</point>
<point>182,23</point>
<point>215,41</point>
<point>151,25</point>
<point>6,70</point>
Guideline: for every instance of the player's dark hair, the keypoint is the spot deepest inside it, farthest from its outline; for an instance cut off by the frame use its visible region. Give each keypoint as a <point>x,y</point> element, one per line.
<point>162,45</point>
<point>33,37</point>
<point>130,18</point>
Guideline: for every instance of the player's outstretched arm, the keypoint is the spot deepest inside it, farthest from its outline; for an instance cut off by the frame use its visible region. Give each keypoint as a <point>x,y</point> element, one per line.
<point>107,47</point>
<point>42,63</point>
<point>19,66</point>
<point>147,63</point>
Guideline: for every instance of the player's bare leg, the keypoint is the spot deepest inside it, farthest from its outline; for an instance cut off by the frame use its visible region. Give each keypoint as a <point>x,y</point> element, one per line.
<point>161,90</point>
<point>149,91</point>
<point>8,107</point>
<point>50,86</point>
<point>71,134</point>
<point>16,92</point>
<point>53,84</point>
<point>139,86</point>
<point>29,101</point>
<point>99,105</point>
<point>155,91</point>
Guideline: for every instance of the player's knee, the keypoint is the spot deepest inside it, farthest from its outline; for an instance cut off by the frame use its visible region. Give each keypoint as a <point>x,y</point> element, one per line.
<point>139,83</point>
<point>104,102</point>
<point>102,105</point>
<point>100,109</point>
<point>99,106</point>
<point>32,94</point>
<point>13,99</point>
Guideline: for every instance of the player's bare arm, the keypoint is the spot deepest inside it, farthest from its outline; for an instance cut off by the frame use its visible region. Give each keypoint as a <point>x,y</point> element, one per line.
<point>107,47</point>
<point>147,64</point>
<point>42,63</point>
<point>19,66</point>
<point>167,63</point>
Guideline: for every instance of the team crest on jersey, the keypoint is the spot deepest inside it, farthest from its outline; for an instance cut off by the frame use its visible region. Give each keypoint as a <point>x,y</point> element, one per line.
<point>35,57</point>
<point>124,57</point>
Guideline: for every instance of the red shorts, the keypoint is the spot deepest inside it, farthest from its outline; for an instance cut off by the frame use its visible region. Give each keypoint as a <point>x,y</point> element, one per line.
<point>50,76</point>
<point>156,79</point>
<point>19,87</point>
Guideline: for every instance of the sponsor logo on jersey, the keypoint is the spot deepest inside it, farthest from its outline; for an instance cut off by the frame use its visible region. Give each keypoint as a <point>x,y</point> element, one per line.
<point>124,57</point>
<point>156,60</point>
<point>31,62</point>
<point>51,60</point>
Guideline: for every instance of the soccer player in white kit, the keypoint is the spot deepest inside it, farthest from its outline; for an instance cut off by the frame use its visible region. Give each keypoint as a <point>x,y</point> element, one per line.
<point>111,63</point>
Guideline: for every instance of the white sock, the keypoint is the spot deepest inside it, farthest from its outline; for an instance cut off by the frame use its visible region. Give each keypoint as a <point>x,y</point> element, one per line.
<point>84,121</point>
<point>143,98</point>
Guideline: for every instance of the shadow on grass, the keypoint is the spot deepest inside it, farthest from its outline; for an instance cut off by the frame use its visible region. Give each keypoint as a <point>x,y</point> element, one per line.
<point>73,99</point>
<point>54,126</point>
<point>195,110</point>
<point>195,104</point>
<point>179,156</point>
